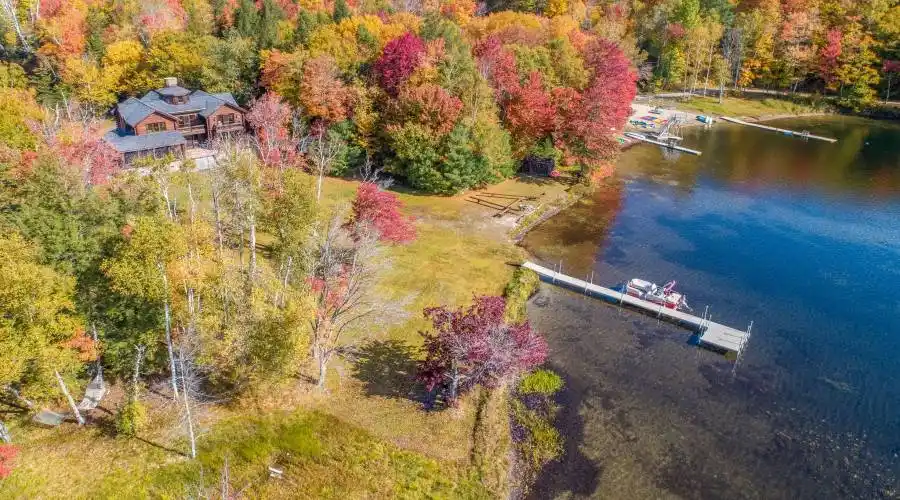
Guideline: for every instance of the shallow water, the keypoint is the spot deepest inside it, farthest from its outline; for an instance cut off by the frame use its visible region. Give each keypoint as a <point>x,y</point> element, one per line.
<point>802,238</point>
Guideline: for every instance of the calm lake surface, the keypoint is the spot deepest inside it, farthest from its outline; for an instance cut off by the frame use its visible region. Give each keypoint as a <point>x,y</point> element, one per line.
<point>802,238</point>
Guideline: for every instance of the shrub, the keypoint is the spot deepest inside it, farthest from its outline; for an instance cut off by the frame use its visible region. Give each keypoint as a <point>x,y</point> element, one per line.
<point>542,382</point>
<point>521,287</point>
<point>7,453</point>
<point>540,442</point>
<point>131,418</point>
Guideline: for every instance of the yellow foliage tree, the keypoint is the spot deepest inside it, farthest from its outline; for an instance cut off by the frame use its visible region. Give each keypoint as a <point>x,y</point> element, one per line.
<point>556,8</point>
<point>124,62</point>
<point>91,85</point>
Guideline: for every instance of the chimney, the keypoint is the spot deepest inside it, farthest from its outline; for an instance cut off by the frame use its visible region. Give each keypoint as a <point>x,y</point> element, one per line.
<point>171,81</point>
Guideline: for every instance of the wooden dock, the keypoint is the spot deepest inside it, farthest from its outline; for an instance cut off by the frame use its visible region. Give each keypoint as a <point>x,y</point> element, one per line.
<point>711,334</point>
<point>676,147</point>
<point>794,133</point>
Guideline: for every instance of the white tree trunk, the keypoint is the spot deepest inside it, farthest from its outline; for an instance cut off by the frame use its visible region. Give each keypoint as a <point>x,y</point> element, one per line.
<point>137,370</point>
<point>454,381</point>
<point>65,390</point>
<point>4,433</point>
<point>284,280</point>
<point>9,8</point>
<point>168,322</point>
<point>319,184</point>
<point>887,96</point>
<point>220,237</point>
<point>252,221</point>
<point>187,409</point>
<point>174,373</point>
<point>323,367</point>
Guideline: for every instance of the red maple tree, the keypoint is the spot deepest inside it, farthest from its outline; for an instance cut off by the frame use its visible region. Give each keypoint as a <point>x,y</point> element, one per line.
<point>322,94</point>
<point>269,118</point>
<point>498,66</point>
<point>829,55</point>
<point>81,147</point>
<point>529,112</point>
<point>430,105</point>
<point>400,58</point>
<point>587,121</point>
<point>381,209</point>
<point>476,345</point>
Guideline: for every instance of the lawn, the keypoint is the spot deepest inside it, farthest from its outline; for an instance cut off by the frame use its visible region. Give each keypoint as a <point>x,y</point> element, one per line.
<point>742,107</point>
<point>320,456</point>
<point>366,437</point>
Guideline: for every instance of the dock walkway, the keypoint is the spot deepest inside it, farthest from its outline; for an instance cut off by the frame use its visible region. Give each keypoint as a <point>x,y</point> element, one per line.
<point>805,135</point>
<point>641,137</point>
<point>712,334</point>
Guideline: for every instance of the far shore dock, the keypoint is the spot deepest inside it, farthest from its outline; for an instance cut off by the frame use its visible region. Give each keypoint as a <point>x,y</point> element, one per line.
<point>714,335</point>
<point>804,134</point>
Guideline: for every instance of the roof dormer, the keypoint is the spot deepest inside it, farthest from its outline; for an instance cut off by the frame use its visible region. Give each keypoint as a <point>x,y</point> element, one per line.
<point>172,93</point>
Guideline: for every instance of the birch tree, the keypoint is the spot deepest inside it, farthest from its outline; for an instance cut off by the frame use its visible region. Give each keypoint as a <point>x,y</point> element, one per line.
<point>141,267</point>
<point>290,212</point>
<point>242,200</point>
<point>10,14</point>
<point>322,152</point>
<point>346,266</point>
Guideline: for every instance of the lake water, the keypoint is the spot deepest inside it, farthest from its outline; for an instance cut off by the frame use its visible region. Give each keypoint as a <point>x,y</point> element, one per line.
<point>803,239</point>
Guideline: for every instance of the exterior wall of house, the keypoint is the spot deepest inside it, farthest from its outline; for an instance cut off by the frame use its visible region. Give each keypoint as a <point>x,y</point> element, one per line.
<point>141,127</point>
<point>213,119</point>
<point>128,159</point>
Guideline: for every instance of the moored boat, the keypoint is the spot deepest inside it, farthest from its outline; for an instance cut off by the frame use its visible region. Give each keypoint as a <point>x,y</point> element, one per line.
<point>651,292</point>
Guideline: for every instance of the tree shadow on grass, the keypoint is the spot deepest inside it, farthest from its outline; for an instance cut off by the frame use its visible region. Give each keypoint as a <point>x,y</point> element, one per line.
<point>161,447</point>
<point>388,368</point>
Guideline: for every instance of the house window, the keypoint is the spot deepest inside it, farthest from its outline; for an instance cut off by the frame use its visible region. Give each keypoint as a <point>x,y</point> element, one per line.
<point>191,120</point>
<point>156,127</point>
<point>228,119</point>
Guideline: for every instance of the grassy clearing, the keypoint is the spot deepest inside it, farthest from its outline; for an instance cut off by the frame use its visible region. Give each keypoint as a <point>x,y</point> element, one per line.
<point>322,457</point>
<point>754,108</point>
<point>367,437</point>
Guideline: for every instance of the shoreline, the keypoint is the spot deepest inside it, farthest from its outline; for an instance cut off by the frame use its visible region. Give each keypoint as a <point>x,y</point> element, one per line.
<point>519,234</point>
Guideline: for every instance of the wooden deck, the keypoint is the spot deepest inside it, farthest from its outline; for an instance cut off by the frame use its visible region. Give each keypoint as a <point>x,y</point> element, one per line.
<point>711,334</point>
<point>794,133</point>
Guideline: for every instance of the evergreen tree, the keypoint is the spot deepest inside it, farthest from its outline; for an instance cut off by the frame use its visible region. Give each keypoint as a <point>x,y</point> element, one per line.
<point>97,21</point>
<point>307,22</point>
<point>269,16</point>
<point>246,19</point>
<point>341,11</point>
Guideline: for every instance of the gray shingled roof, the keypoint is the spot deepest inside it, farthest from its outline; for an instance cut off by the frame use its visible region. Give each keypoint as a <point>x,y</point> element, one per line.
<point>133,111</point>
<point>174,91</point>
<point>131,143</point>
<point>198,102</point>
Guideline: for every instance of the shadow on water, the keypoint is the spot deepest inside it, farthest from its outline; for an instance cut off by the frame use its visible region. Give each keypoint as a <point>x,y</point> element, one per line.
<point>574,473</point>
